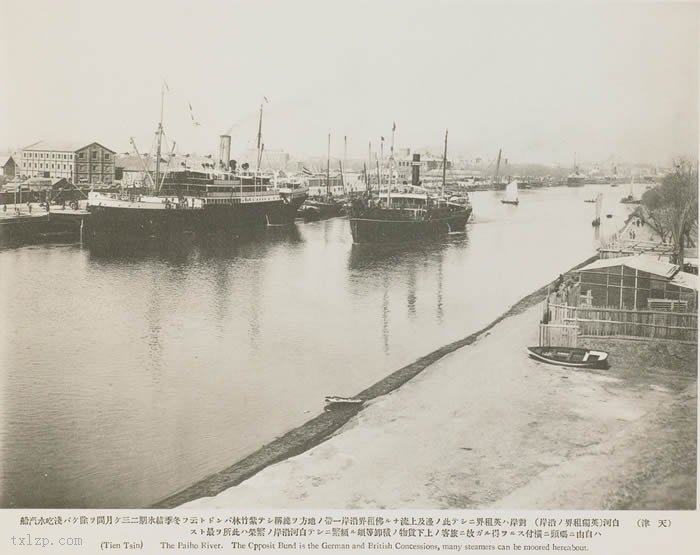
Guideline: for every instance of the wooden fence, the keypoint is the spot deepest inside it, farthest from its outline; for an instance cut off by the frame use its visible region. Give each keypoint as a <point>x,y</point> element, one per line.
<point>558,335</point>
<point>614,322</point>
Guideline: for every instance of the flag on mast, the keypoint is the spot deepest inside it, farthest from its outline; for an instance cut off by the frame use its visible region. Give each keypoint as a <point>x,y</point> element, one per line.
<point>194,121</point>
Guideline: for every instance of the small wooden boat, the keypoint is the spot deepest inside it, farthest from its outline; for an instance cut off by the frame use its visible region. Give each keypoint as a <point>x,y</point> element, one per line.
<point>570,356</point>
<point>629,199</point>
<point>333,402</point>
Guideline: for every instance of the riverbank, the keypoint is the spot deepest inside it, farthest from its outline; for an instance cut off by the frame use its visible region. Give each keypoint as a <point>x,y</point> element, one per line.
<point>318,429</point>
<point>487,427</point>
<point>548,437</point>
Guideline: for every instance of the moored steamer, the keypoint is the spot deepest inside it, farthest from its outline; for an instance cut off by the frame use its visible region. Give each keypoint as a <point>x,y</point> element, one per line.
<point>407,214</point>
<point>198,201</point>
<point>406,217</point>
<point>208,199</point>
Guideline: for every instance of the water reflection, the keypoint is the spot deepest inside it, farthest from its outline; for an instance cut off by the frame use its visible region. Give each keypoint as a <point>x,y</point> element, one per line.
<point>411,289</point>
<point>385,314</point>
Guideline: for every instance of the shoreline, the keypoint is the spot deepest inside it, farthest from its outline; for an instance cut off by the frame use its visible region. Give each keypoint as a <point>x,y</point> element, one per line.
<point>321,427</point>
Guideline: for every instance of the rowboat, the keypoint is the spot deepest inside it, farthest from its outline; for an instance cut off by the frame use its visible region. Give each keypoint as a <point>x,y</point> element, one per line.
<point>333,402</point>
<point>570,356</point>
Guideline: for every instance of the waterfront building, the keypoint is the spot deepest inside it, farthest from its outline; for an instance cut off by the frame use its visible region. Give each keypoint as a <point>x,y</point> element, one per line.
<point>130,170</point>
<point>7,166</point>
<point>404,166</point>
<point>637,282</point>
<point>81,163</point>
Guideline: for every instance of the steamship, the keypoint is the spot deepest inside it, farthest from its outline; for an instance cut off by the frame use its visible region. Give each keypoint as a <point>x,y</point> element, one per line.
<point>408,213</point>
<point>209,199</point>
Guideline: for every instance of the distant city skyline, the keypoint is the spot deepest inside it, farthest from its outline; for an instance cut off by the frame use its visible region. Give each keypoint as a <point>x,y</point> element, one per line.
<point>541,81</point>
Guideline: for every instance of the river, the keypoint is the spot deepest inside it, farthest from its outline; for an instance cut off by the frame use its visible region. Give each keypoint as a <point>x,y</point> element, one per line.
<point>130,373</point>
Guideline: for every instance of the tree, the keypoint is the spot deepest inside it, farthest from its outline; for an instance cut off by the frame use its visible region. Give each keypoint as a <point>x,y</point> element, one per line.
<point>672,208</point>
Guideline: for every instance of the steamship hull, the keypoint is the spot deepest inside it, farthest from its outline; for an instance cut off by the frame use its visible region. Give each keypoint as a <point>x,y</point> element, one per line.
<point>216,218</point>
<point>377,230</point>
<point>138,222</point>
<point>129,219</point>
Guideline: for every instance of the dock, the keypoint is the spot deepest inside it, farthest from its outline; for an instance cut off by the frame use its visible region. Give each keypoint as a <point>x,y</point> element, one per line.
<point>20,222</point>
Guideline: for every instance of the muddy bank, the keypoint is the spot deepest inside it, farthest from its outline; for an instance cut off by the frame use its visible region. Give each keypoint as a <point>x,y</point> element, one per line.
<point>488,427</point>
<point>318,429</point>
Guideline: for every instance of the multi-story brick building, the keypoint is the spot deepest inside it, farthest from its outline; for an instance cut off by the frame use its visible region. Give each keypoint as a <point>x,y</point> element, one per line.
<point>77,162</point>
<point>94,163</point>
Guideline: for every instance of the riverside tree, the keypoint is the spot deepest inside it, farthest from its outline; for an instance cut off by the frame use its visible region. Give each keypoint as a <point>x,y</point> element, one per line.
<point>672,208</point>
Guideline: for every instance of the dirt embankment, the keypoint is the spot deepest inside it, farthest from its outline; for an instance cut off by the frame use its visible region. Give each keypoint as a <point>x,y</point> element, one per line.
<point>487,427</point>
<point>322,426</point>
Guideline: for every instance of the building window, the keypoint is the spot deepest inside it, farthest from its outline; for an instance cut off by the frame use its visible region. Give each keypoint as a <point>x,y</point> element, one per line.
<point>81,155</point>
<point>106,156</point>
<point>94,154</point>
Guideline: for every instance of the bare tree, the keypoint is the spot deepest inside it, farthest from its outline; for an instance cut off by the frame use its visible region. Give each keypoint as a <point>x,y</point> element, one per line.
<point>672,207</point>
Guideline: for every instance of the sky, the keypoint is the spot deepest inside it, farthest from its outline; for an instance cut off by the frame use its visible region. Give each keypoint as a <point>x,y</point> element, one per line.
<point>544,82</point>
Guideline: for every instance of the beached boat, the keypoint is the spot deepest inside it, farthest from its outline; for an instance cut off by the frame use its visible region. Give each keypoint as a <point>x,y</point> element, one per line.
<point>570,356</point>
<point>511,194</point>
<point>333,402</point>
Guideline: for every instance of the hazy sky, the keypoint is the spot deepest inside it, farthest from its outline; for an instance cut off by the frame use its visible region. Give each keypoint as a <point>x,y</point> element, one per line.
<point>540,80</point>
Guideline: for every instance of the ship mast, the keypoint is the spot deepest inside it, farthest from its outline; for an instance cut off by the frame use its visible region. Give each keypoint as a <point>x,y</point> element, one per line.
<point>444,164</point>
<point>328,169</point>
<point>498,165</point>
<point>391,164</point>
<point>160,137</point>
<point>369,166</point>
<point>145,170</point>
<point>381,164</point>
<point>345,160</point>
<point>257,168</point>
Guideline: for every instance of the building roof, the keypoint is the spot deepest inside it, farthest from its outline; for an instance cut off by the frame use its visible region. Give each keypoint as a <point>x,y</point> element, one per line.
<point>4,159</point>
<point>641,262</point>
<point>61,146</point>
<point>686,280</point>
<point>132,163</point>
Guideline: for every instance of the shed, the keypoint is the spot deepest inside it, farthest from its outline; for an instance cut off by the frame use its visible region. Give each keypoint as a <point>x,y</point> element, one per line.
<point>631,281</point>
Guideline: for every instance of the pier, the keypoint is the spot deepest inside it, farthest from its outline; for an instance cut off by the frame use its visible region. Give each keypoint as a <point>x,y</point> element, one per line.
<point>21,222</point>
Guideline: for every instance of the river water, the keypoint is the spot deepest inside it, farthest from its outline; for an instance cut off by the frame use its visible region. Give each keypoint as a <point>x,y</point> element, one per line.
<point>130,373</point>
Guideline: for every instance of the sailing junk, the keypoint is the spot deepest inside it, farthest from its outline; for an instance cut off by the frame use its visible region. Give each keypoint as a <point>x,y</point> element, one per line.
<point>511,194</point>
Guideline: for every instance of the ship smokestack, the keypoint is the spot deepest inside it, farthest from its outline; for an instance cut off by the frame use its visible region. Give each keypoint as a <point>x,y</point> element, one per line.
<point>415,170</point>
<point>224,150</point>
